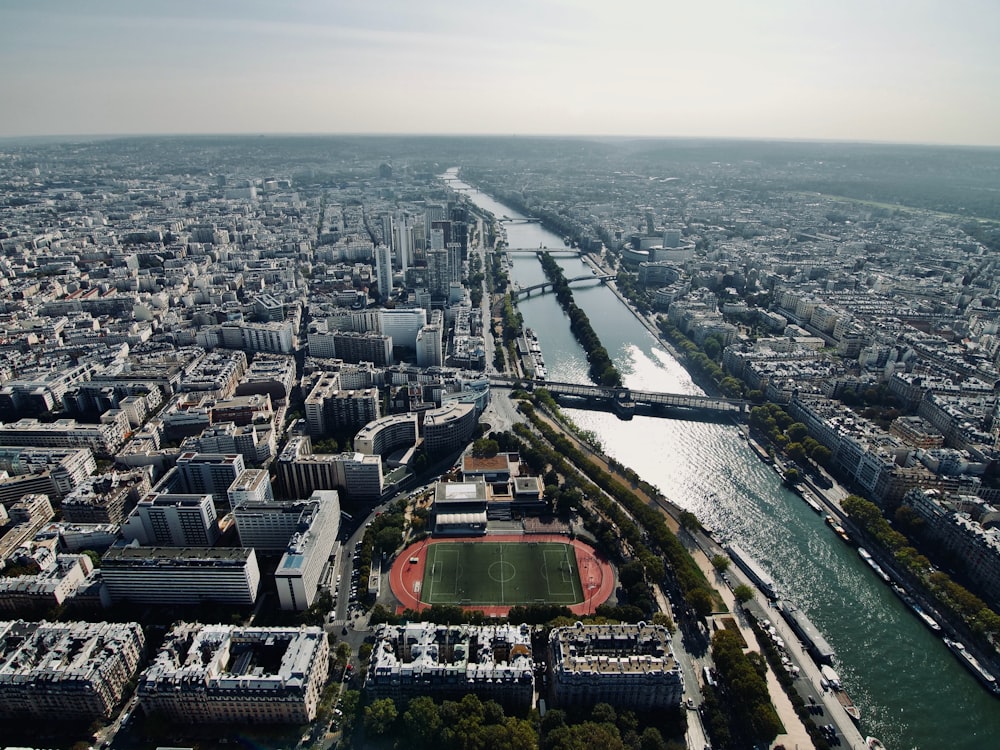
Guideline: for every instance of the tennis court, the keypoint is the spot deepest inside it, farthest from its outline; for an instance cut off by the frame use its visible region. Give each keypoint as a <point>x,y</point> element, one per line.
<point>501,573</point>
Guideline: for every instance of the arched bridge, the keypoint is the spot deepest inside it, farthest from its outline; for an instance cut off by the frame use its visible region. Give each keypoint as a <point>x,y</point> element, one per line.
<point>526,291</point>
<point>625,402</point>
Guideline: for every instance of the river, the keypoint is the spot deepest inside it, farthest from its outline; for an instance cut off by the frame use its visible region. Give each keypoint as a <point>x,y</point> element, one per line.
<point>911,691</point>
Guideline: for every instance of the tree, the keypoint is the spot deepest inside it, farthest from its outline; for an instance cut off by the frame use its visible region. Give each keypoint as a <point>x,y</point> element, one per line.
<point>689,521</point>
<point>388,538</point>
<point>701,600</point>
<point>380,716</point>
<point>712,347</point>
<point>796,452</point>
<point>485,448</point>
<point>661,618</point>
<point>604,713</point>
<point>743,593</point>
<point>821,455</point>
<point>422,721</point>
<point>651,739</point>
<point>796,432</point>
<point>721,563</point>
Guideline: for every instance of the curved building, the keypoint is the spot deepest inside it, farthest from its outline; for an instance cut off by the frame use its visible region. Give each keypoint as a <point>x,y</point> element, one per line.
<point>387,434</point>
<point>449,428</point>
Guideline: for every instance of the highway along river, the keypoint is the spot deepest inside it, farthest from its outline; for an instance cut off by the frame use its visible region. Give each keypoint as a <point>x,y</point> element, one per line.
<point>911,691</point>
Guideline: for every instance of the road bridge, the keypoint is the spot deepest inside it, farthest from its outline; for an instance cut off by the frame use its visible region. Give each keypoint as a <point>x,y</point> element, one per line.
<point>525,291</point>
<point>522,220</point>
<point>538,251</point>
<point>626,402</point>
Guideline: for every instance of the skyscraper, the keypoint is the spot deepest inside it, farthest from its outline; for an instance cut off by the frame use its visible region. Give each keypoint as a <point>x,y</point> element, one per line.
<point>383,268</point>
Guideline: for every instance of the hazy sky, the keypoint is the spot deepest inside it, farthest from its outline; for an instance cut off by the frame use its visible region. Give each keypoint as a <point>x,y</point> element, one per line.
<point>885,70</point>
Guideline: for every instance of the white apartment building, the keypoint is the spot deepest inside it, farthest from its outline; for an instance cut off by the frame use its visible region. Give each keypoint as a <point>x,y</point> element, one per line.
<point>232,675</point>
<point>72,670</point>
<point>627,666</point>
<point>181,575</point>
<point>298,573</point>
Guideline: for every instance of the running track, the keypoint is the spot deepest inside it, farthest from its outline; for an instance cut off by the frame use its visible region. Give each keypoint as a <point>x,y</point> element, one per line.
<point>597,575</point>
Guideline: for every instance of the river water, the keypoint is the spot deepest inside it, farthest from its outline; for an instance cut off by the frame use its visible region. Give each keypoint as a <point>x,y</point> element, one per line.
<point>911,691</point>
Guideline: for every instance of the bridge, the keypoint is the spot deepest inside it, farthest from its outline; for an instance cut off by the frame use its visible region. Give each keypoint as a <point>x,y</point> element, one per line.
<point>626,402</point>
<point>575,251</point>
<point>522,220</point>
<point>525,291</point>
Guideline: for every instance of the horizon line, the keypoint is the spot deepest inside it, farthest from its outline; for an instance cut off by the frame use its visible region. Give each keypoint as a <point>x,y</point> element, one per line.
<point>65,137</point>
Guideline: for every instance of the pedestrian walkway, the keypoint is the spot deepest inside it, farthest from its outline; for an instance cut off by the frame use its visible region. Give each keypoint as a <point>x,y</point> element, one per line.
<point>795,735</point>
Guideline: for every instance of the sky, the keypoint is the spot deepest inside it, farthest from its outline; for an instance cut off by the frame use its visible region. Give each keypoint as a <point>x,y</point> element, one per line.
<point>911,71</point>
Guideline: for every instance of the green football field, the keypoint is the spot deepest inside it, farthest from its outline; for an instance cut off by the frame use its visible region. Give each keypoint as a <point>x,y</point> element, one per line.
<point>501,573</point>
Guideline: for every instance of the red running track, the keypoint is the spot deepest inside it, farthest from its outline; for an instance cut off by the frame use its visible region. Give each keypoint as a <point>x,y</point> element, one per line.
<point>596,574</point>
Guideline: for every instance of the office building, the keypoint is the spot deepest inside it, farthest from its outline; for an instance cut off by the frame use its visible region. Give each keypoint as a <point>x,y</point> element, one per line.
<point>356,347</point>
<point>302,472</point>
<point>430,344</point>
<point>270,526</point>
<point>438,278</point>
<point>104,498</point>
<point>449,428</point>
<point>627,666</point>
<point>71,671</point>
<point>298,572</point>
<point>209,674</point>
<point>65,467</point>
<point>251,487</point>
<point>329,409</point>
<point>388,434</point>
<point>181,575</point>
<point>383,270</point>
<point>403,325</point>
<point>164,520</point>
<point>209,474</point>
<point>103,439</point>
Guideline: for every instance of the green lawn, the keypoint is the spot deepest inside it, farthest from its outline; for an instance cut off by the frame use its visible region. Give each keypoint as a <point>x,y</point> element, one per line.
<point>501,573</point>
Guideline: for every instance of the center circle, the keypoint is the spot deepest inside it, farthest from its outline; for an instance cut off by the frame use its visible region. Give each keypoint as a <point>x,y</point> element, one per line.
<point>502,571</point>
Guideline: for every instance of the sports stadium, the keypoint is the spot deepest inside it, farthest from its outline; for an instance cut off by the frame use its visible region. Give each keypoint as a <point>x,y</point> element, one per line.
<point>495,572</point>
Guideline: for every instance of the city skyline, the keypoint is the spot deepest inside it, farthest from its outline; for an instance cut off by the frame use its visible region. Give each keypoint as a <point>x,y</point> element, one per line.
<point>917,73</point>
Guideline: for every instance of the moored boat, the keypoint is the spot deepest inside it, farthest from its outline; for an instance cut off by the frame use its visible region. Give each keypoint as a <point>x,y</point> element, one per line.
<point>749,566</point>
<point>972,664</point>
<point>873,743</point>
<point>838,529</point>
<point>866,556</point>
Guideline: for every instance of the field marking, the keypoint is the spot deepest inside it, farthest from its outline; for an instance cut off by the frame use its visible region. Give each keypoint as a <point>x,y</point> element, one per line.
<point>565,593</point>
<point>501,570</point>
<point>503,599</point>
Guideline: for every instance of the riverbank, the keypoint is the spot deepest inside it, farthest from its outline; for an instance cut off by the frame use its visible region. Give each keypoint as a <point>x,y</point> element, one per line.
<point>649,322</point>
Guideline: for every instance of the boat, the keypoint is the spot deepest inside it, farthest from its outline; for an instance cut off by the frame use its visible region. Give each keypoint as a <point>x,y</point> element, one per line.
<point>832,679</point>
<point>873,743</point>
<point>866,556</point>
<point>972,664</point>
<point>802,491</point>
<point>909,601</point>
<point>759,450</point>
<point>749,566</point>
<point>838,529</point>
<point>849,708</point>
<point>814,641</point>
